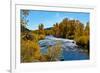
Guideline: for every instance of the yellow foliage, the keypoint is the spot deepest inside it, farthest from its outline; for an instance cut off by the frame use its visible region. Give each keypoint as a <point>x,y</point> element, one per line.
<point>54,53</point>
<point>41,36</point>
<point>30,51</point>
<point>83,41</point>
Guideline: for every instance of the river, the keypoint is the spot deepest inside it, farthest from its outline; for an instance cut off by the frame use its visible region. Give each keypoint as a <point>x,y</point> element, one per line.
<point>70,51</point>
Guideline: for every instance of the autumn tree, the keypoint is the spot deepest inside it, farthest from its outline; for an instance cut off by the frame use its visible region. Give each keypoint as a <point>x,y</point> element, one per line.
<point>63,27</point>
<point>87,29</point>
<point>41,32</point>
<point>41,29</point>
<point>79,29</point>
<point>87,33</point>
<point>82,36</point>
<point>56,30</point>
<point>24,14</point>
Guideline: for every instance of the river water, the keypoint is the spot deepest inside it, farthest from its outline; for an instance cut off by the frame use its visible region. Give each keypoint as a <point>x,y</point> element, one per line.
<point>70,51</point>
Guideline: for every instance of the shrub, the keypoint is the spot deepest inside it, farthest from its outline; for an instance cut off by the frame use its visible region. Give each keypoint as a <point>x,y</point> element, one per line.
<point>54,53</point>
<point>27,36</point>
<point>30,51</point>
<point>83,41</point>
<point>41,37</point>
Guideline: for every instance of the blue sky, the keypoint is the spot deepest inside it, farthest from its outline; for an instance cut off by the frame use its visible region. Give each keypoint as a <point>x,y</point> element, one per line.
<point>48,18</point>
